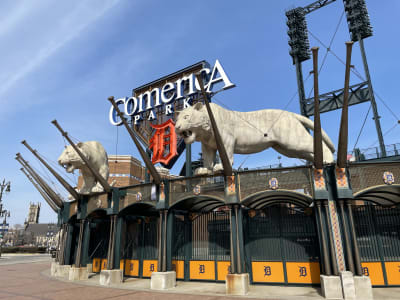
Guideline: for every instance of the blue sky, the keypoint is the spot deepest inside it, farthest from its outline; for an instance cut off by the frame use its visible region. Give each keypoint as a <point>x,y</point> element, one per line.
<point>62,59</point>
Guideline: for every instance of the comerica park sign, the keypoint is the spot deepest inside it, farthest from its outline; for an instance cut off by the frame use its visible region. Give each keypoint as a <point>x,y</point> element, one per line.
<point>178,86</point>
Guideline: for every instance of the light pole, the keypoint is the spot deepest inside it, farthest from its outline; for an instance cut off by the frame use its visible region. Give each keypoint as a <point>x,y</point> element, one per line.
<point>5,187</point>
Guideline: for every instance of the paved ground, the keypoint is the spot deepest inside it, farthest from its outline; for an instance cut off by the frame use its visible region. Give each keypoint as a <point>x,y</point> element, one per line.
<point>10,259</point>
<point>28,281</point>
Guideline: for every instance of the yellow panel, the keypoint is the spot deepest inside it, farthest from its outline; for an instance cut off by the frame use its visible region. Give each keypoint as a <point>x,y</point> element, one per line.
<point>223,269</point>
<point>267,271</point>
<point>104,264</point>
<point>202,269</point>
<point>149,266</point>
<point>303,272</point>
<point>393,272</point>
<point>96,265</point>
<point>179,267</point>
<point>374,271</point>
<point>132,267</point>
<point>121,264</point>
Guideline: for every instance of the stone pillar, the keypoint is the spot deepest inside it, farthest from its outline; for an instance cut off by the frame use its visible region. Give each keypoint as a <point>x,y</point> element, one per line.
<point>164,278</point>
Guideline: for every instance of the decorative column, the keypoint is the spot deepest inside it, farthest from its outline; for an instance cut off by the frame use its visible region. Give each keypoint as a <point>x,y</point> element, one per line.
<point>164,278</point>
<point>236,283</point>
<point>113,274</point>
<point>331,287</point>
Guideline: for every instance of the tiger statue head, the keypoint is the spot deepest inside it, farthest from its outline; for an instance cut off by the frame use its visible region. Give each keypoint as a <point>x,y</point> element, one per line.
<point>70,160</point>
<point>193,123</point>
<point>96,155</point>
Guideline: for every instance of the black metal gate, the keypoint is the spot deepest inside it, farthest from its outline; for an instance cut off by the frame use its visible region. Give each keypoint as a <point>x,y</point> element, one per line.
<point>98,244</point>
<point>201,245</point>
<point>378,239</point>
<point>281,245</point>
<point>139,246</point>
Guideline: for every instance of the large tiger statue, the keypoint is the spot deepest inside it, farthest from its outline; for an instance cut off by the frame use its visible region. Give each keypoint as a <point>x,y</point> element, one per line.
<point>249,132</point>
<point>96,154</point>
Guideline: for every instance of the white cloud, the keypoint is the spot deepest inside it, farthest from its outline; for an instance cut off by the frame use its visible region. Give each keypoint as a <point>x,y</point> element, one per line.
<point>69,27</point>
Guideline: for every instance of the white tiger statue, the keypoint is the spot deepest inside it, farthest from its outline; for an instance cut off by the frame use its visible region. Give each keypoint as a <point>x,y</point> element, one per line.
<point>249,132</point>
<point>96,154</point>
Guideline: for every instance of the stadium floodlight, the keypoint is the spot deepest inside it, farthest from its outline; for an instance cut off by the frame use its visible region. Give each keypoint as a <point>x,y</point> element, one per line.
<point>298,35</point>
<point>357,19</point>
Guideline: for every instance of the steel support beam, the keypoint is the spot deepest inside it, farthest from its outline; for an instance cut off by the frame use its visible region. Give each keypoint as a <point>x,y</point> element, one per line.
<point>317,5</point>
<point>64,183</point>
<point>333,100</point>
<point>373,102</point>
<point>42,192</point>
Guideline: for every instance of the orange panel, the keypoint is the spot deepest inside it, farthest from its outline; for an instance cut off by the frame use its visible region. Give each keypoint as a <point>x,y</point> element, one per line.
<point>302,272</point>
<point>121,264</point>
<point>149,266</point>
<point>223,268</point>
<point>96,265</point>
<point>393,272</point>
<point>104,264</point>
<point>267,271</point>
<point>202,269</point>
<point>179,267</point>
<point>374,271</point>
<point>132,267</point>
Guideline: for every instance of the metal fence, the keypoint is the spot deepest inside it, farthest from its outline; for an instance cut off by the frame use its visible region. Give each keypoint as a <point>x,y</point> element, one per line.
<point>378,232</point>
<point>281,233</point>
<point>207,236</point>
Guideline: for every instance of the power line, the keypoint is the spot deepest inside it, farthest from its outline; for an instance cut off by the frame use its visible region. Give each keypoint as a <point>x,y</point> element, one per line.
<point>328,49</point>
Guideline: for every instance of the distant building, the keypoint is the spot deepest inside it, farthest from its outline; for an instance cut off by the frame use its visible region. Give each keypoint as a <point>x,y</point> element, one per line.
<point>125,170</point>
<point>33,233</point>
<point>41,235</point>
<point>33,214</point>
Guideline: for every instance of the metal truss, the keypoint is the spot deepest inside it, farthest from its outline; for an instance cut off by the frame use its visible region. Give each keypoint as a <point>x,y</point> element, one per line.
<point>316,5</point>
<point>359,93</point>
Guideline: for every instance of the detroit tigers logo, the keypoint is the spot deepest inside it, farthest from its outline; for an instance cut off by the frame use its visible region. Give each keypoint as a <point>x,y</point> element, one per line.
<point>163,143</point>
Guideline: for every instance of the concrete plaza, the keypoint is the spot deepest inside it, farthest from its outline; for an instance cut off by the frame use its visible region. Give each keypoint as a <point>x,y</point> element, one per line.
<point>28,277</point>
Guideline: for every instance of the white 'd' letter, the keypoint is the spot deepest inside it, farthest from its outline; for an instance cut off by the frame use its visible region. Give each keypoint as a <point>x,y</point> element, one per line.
<point>112,115</point>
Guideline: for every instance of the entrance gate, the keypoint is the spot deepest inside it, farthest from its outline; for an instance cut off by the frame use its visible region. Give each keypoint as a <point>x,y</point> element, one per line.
<point>201,245</point>
<point>378,239</point>
<point>139,247</point>
<point>281,245</point>
<point>98,244</point>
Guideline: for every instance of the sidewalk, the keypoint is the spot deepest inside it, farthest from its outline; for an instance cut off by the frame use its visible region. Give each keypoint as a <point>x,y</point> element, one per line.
<point>32,281</point>
<point>218,289</point>
<point>210,288</point>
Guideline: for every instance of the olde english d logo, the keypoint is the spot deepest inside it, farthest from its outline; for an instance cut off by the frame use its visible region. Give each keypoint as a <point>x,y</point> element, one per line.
<point>163,143</point>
